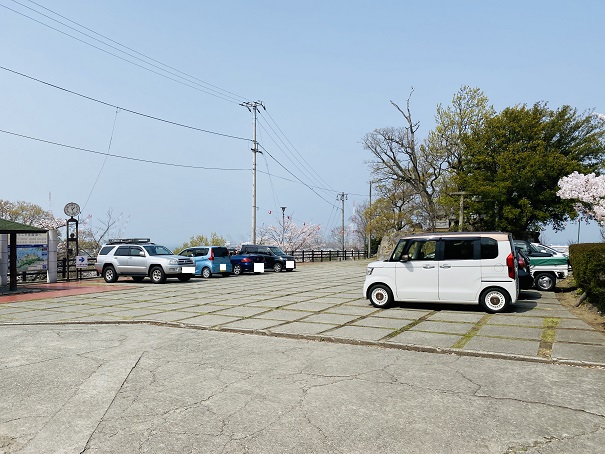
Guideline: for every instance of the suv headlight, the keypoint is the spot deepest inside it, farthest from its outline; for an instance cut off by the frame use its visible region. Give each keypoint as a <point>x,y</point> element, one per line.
<point>173,262</point>
<point>369,271</point>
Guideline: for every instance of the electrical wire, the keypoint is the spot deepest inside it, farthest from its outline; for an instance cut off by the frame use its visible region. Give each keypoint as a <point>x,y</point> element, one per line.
<point>215,89</point>
<point>321,180</point>
<point>104,161</point>
<point>123,108</point>
<point>305,184</point>
<point>148,161</point>
<point>298,168</point>
<point>122,58</point>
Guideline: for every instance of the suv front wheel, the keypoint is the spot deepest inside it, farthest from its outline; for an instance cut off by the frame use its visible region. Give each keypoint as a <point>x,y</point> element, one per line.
<point>157,275</point>
<point>110,275</point>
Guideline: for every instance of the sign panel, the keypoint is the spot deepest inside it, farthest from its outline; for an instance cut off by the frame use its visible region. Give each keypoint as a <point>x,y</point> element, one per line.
<point>32,252</point>
<point>81,261</point>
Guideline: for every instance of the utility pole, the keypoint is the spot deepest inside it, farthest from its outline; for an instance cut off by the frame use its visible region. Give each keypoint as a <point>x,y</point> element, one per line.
<point>461,214</point>
<point>252,106</point>
<point>342,197</point>
<point>283,225</point>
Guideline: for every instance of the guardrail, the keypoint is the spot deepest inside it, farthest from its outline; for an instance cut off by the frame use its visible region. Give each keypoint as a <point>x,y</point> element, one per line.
<point>327,256</point>
<point>65,271</point>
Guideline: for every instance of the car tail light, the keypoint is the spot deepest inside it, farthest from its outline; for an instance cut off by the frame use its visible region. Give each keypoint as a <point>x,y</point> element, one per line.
<point>211,255</point>
<point>246,259</point>
<point>521,262</point>
<point>510,263</point>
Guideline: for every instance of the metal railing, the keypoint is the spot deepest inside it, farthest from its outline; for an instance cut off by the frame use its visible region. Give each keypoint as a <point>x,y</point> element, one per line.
<point>65,271</point>
<point>327,256</point>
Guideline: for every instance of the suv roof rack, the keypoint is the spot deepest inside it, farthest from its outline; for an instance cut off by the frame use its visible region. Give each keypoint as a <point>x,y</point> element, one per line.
<point>129,240</point>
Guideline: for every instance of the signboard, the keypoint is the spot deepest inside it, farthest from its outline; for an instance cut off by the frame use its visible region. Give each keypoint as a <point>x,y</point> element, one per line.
<point>442,224</point>
<point>81,261</point>
<point>32,252</point>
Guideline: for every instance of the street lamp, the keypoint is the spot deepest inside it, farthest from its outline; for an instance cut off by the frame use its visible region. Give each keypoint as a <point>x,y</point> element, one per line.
<point>283,225</point>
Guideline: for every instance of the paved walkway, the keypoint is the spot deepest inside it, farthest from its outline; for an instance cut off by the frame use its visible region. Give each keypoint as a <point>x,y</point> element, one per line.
<point>320,302</point>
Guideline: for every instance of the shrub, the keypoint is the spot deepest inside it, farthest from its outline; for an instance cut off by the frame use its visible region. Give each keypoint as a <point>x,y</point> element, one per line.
<point>588,263</point>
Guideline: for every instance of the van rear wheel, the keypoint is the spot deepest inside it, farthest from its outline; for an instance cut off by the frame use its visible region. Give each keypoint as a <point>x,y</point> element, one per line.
<point>381,296</point>
<point>494,300</point>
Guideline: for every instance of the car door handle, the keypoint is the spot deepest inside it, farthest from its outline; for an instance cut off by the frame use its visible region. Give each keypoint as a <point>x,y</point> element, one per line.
<point>428,267</point>
<point>445,266</point>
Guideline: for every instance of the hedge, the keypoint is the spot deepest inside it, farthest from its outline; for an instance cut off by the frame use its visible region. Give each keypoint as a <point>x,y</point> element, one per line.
<point>588,263</point>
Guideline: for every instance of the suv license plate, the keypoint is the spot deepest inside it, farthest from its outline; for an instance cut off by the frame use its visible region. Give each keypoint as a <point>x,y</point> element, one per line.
<point>188,269</point>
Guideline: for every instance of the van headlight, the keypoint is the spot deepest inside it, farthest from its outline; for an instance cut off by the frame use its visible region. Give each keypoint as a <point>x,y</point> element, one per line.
<point>369,271</point>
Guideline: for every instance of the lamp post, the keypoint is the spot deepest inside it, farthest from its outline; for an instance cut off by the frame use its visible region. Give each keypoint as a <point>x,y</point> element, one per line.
<point>283,225</point>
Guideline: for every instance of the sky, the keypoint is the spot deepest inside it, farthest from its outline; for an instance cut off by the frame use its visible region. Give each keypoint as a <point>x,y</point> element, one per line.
<point>325,71</point>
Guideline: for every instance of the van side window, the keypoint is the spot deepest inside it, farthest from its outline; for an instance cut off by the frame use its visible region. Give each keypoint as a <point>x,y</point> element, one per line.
<point>458,249</point>
<point>489,248</point>
<point>422,250</point>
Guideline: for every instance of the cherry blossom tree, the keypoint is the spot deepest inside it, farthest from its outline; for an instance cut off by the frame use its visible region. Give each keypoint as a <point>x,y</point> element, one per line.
<point>291,236</point>
<point>589,191</point>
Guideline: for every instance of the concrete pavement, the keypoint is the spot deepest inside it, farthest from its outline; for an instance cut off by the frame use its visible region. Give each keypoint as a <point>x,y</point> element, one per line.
<point>294,362</point>
<point>323,301</point>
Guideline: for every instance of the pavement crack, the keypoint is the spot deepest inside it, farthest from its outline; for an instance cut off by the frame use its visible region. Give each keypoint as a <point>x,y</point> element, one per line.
<point>101,419</point>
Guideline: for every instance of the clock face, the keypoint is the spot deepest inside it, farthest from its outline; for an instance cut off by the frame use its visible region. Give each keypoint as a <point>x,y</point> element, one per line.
<point>72,209</point>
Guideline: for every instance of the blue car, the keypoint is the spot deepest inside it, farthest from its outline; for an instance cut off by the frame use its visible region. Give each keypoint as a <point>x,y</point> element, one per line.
<point>245,262</point>
<point>209,260</point>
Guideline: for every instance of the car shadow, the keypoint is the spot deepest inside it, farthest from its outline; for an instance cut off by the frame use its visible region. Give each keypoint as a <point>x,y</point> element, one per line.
<point>525,303</point>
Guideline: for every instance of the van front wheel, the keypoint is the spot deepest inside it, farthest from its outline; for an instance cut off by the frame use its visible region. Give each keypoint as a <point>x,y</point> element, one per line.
<point>381,296</point>
<point>494,300</point>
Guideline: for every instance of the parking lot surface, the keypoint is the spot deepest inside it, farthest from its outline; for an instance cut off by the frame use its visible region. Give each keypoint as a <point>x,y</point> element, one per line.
<point>324,302</point>
<point>293,362</point>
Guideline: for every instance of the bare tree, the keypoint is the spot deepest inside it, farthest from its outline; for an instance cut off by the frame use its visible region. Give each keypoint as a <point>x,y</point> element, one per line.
<point>399,159</point>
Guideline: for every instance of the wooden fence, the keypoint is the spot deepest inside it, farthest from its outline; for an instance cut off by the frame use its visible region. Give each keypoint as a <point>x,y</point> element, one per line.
<point>327,256</point>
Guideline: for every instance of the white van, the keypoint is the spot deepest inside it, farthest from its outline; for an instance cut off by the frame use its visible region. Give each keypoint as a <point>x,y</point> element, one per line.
<point>452,267</point>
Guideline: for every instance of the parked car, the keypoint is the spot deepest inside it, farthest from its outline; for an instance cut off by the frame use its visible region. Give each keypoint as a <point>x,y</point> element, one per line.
<point>245,263</point>
<point>526,281</point>
<point>139,258</point>
<point>461,267</point>
<point>209,260</point>
<point>545,267</point>
<point>275,258</point>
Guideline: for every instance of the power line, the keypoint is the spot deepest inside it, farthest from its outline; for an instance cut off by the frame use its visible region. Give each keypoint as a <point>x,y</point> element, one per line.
<point>296,151</point>
<point>123,108</point>
<point>126,47</point>
<point>283,167</point>
<point>223,97</point>
<point>148,161</point>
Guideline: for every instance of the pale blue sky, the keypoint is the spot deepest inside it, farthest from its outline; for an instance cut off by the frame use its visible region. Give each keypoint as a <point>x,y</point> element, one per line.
<point>326,71</point>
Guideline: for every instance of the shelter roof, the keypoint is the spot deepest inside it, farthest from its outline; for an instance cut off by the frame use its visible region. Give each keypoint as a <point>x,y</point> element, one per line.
<point>14,227</point>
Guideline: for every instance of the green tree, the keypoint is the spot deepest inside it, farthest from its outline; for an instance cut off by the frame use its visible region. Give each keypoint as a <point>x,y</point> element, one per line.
<point>512,163</point>
<point>468,111</point>
<point>202,240</point>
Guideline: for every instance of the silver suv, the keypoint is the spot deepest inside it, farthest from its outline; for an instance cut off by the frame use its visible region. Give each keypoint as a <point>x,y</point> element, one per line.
<point>139,258</point>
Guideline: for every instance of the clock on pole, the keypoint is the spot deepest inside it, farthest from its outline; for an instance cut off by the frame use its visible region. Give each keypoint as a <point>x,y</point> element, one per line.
<point>72,209</point>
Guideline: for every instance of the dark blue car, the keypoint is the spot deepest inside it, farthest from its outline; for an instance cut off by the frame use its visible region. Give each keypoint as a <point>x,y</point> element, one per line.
<point>245,263</point>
